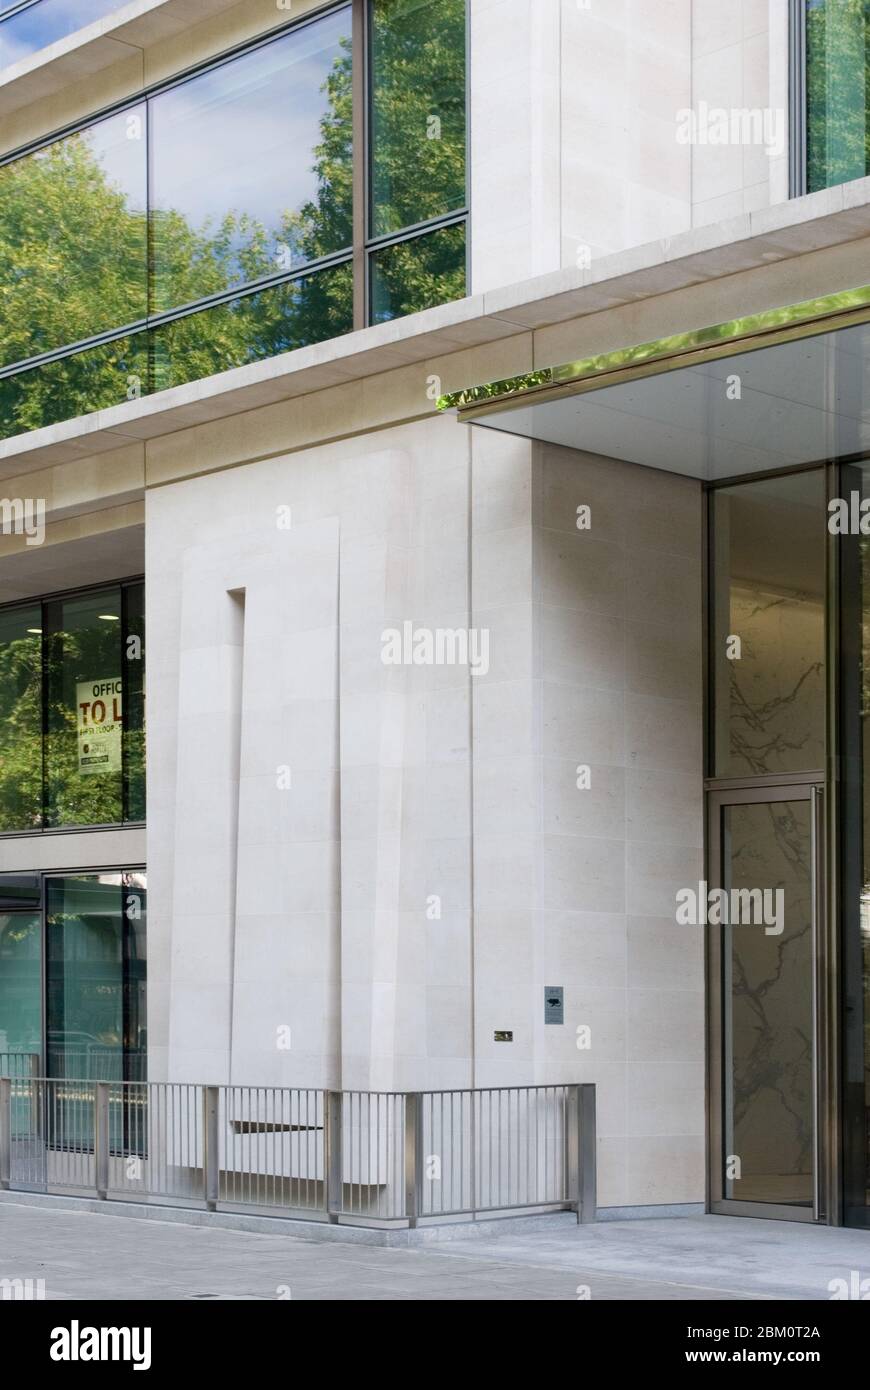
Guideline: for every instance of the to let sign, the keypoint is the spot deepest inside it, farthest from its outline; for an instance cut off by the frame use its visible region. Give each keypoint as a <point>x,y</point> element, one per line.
<point>100,724</point>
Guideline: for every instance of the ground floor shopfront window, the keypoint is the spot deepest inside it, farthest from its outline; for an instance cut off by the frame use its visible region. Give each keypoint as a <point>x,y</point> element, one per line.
<point>72,709</point>
<point>73,975</point>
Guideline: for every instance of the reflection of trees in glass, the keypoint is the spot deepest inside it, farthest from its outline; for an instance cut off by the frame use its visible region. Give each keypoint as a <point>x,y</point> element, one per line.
<point>418,111</point>
<point>73,797</point>
<point>838,98</point>
<point>20,738</point>
<point>73,254</point>
<point>418,274</point>
<point>252,328</point>
<point>73,654</point>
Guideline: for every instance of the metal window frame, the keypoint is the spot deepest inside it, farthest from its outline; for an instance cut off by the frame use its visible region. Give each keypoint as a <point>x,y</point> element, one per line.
<point>455,217</point>
<point>823,787</point>
<point>797,98</point>
<point>40,600</point>
<point>357,255</point>
<point>820,1211</point>
<point>29,5</point>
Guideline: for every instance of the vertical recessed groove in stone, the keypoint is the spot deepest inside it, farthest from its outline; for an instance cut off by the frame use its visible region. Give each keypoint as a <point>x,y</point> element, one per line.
<point>236,676</point>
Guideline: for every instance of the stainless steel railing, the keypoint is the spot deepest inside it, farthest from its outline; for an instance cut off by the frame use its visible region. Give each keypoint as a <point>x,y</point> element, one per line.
<point>370,1158</point>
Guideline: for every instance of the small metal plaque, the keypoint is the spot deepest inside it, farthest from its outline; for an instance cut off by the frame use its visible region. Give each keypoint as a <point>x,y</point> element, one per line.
<point>502,1036</point>
<point>554,1004</point>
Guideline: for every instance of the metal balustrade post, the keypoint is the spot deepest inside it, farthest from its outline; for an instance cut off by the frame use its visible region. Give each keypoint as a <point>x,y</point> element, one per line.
<point>101,1138</point>
<point>332,1158</point>
<point>580,1151</point>
<point>413,1156</point>
<point>35,1069</point>
<point>210,1146</point>
<point>5,1133</point>
<point>588,1186</point>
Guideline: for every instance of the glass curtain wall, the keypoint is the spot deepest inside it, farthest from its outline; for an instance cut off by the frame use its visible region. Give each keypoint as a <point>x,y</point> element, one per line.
<point>417,153</point>
<point>20,966</point>
<point>228,201</point>
<point>73,974</point>
<point>95,976</point>
<point>34,24</point>
<point>854,555</point>
<point>837,91</point>
<point>72,710</point>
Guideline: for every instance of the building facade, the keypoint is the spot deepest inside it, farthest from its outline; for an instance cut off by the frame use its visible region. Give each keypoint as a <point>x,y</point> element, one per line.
<point>461,395</point>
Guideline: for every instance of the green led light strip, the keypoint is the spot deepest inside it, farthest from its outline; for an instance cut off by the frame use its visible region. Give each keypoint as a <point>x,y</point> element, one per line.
<point>805,319</point>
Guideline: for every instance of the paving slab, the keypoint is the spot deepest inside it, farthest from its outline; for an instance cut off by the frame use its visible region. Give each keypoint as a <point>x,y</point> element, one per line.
<point>88,1255</point>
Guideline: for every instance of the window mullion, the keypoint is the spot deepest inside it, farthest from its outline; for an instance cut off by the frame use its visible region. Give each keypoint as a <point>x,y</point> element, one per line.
<point>360,161</point>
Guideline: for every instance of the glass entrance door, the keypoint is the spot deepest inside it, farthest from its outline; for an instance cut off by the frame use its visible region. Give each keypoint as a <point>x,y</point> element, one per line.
<point>764,921</point>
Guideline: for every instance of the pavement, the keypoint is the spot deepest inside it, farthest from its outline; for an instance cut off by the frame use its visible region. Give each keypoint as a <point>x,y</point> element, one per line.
<point>95,1256</point>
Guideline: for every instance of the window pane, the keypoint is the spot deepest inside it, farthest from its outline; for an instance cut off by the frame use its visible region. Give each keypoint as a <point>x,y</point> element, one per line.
<point>96,978</point>
<point>838,93</point>
<point>134,701</point>
<point>417,274</point>
<point>20,982</point>
<point>252,165</point>
<point>84,709</point>
<point>254,327</point>
<point>768,642</point>
<point>60,209</point>
<point>20,718</point>
<point>854,815</point>
<point>248,329</point>
<point>20,890</point>
<point>767,1007</point>
<point>84,977</point>
<point>91,380</point>
<point>45,23</point>
<point>417,111</point>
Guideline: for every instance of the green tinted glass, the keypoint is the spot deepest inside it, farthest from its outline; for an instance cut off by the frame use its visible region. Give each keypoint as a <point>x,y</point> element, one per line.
<point>417,111</point>
<point>95,978</point>
<point>62,210</point>
<point>84,710</point>
<point>418,274</point>
<point>838,93</point>
<point>20,982</point>
<point>95,379</point>
<point>20,718</point>
<point>254,327</point>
